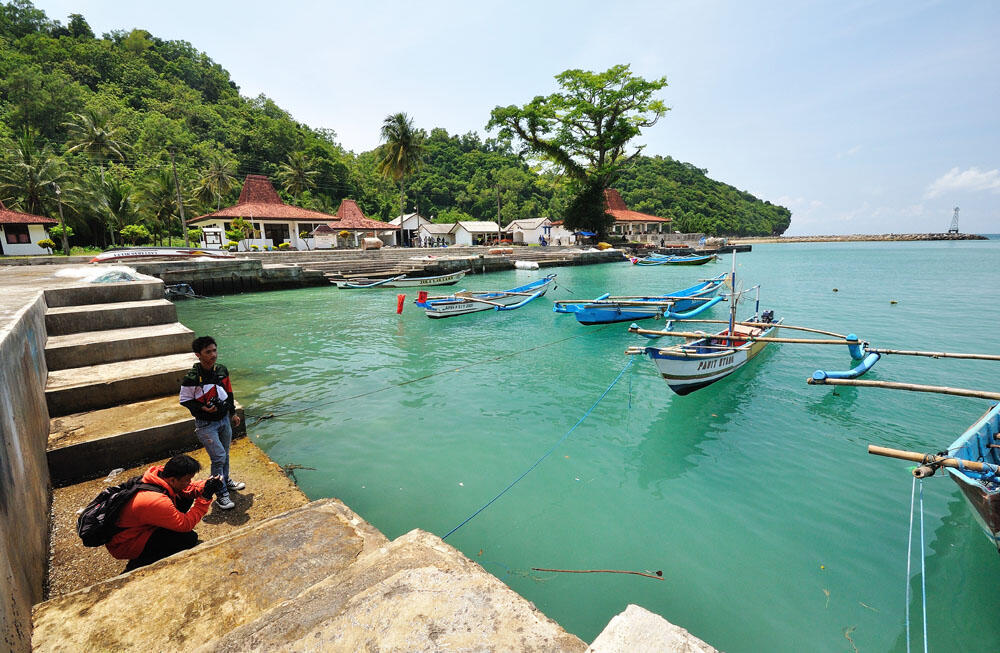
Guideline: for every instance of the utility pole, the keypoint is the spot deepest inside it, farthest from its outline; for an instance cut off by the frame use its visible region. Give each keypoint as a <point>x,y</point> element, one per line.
<point>180,202</point>
<point>62,222</point>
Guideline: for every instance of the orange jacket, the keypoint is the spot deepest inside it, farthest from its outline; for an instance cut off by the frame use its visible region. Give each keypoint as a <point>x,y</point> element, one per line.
<point>147,511</point>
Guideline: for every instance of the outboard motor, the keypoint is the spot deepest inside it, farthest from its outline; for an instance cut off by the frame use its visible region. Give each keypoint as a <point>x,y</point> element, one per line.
<point>767,317</point>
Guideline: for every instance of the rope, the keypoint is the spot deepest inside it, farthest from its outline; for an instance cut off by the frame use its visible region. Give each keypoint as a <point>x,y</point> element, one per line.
<point>546,454</point>
<point>314,406</point>
<point>923,569</point>
<point>909,549</point>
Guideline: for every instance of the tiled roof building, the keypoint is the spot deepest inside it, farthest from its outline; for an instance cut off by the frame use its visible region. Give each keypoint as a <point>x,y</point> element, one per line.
<point>16,217</point>
<point>615,205</point>
<point>259,201</point>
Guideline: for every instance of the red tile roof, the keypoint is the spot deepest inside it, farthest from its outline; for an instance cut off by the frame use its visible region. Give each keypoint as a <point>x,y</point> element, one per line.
<point>615,205</point>
<point>349,216</point>
<point>259,201</point>
<point>16,217</point>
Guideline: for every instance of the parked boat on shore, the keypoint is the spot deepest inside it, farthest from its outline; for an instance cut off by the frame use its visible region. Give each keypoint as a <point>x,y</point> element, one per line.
<point>133,253</point>
<point>464,302</point>
<point>402,281</point>
<point>674,305</point>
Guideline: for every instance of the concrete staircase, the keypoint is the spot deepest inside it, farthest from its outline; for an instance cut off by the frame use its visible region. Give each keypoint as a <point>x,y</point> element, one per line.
<point>116,356</point>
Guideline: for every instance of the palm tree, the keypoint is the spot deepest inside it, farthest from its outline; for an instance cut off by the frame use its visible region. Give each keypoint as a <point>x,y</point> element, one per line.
<point>217,180</point>
<point>89,133</point>
<point>27,176</point>
<point>114,201</point>
<point>297,174</point>
<point>159,198</point>
<point>401,154</point>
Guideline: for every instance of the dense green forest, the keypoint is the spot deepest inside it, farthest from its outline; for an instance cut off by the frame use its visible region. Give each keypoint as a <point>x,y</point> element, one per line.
<point>101,117</point>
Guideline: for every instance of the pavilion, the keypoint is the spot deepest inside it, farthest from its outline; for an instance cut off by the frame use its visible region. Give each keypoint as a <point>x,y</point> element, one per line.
<point>22,231</point>
<point>632,224</point>
<point>350,218</point>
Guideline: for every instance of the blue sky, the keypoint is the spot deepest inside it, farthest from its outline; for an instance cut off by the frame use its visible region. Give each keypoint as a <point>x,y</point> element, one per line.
<point>861,117</point>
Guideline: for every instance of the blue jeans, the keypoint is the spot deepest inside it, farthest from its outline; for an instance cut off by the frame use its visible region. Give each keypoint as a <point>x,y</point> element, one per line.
<point>216,437</point>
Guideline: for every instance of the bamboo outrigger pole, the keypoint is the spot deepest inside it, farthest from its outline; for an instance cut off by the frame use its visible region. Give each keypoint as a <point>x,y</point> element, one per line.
<point>932,459</point>
<point>712,336</point>
<point>913,387</point>
<point>935,354</point>
<point>767,324</point>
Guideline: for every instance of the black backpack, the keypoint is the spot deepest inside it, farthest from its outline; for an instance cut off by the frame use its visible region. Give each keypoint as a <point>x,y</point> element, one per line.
<point>96,524</point>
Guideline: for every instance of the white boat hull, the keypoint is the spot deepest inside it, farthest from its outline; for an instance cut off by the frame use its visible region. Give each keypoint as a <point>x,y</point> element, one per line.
<point>461,307</point>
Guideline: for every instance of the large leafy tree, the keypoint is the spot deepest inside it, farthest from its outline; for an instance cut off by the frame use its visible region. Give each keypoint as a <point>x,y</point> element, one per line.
<point>29,175</point>
<point>586,129</point>
<point>401,153</point>
<point>91,133</point>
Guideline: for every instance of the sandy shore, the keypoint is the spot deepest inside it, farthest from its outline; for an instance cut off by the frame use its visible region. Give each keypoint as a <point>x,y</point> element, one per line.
<point>855,238</point>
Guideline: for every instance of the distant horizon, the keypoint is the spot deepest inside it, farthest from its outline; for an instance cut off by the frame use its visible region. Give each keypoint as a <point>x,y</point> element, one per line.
<point>861,119</point>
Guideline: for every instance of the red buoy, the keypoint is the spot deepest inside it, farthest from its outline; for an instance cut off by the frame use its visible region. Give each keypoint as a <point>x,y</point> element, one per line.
<point>421,296</point>
<point>400,299</point>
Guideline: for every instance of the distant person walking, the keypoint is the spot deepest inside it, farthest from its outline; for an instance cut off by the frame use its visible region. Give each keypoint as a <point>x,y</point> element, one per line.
<point>207,392</point>
<point>156,524</point>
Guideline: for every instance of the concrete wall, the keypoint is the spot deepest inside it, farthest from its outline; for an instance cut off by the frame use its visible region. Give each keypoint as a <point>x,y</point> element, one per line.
<point>24,474</point>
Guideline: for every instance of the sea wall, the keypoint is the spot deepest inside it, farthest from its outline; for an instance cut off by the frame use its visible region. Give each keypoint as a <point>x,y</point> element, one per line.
<point>24,473</point>
<point>858,238</point>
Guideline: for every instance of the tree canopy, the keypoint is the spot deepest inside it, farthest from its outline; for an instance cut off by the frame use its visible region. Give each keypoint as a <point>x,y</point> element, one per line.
<point>98,115</point>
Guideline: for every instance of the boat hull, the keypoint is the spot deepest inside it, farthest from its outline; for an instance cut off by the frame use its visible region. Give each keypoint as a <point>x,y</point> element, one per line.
<point>442,307</point>
<point>589,313</point>
<point>146,253</point>
<point>695,365</point>
<point>982,494</point>
<point>410,282</point>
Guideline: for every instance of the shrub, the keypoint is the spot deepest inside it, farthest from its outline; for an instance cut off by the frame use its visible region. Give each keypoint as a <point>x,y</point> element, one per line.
<point>254,248</point>
<point>194,235</point>
<point>344,234</point>
<point>232,243</point>
<point>284,245</point>
<point>47,244</point>
<point>56,231</point>
<point>135,234</point>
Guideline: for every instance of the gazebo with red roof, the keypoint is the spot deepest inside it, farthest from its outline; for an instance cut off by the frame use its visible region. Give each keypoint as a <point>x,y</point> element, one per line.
<point>633,224</point>
<point>22,231</point>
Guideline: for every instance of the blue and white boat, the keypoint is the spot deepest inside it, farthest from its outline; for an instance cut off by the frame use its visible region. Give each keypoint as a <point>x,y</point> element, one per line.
<point>981,488</point>
<point>665,259</point>
<point>464,301</point>
<point>681,304</point>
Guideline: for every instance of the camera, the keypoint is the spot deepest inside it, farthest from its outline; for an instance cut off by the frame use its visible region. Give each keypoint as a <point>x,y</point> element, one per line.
<point>216,403</point>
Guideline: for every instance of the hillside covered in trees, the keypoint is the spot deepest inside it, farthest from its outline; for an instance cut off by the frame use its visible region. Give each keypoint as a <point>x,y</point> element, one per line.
<point>105,118</point>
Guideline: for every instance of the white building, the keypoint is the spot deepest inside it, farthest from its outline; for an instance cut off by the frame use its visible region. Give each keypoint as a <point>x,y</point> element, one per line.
<point>475,233</point>
<point>410,226</point>
<point>20,232</point>
<point>532,231</point>
<point>434,232</point>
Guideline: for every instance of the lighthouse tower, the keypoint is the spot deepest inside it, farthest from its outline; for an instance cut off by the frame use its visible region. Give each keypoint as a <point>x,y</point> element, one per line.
<point>953,229</point>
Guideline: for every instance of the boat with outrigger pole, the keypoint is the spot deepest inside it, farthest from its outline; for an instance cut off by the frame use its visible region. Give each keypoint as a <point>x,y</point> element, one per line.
<point>464,301</point>
<point>706,358</point>
<point>679,304</point>
<point>673,259</point>
<point>972,460</point>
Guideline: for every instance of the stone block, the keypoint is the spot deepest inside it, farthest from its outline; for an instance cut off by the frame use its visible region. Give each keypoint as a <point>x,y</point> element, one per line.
<point>637,630</point>
<point>118,315</point>
<point>113,345</point>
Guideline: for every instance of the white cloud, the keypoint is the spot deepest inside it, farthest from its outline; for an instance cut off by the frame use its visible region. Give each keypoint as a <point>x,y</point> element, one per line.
<point>972,179</point>
<point>851,152</point>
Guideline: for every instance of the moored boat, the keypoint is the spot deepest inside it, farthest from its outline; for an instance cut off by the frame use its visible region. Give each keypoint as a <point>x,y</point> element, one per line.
<point>402,281</point>
<point>676,305</point>
<point>663,259</point>
<point>133,253</point>
<point>464,302</point>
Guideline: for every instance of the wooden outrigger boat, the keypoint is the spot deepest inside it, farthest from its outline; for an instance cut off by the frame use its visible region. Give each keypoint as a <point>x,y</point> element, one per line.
<point>464,302</point>
<point>123,254</point>
<point>705,358</point>
<point>972,460</point>
<point>402,281</point>
<point>664,259</point>
<point>681,304</point>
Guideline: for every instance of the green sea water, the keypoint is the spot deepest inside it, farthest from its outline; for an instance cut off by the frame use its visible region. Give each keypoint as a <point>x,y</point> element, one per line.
<point>773,528</point>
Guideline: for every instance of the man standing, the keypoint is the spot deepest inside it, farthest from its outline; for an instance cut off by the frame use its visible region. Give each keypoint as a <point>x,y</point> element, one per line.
<point>207,392</point>
<point>155,524</point>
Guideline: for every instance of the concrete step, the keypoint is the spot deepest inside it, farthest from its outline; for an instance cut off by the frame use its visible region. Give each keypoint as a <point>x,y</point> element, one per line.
<point>104,293</point>
<point>64,320</point>
<point>416,594</point>
<point>80,389</point>
<point>198,595</point>
<point>90,444</point>
<point>112,345</point>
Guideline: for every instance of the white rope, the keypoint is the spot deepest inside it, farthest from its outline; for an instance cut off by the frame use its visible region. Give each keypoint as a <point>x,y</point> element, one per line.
<point>909,549</point>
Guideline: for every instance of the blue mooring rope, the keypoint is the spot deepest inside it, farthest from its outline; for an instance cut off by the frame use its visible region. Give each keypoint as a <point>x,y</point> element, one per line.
<point>923,568</point>
<point>546,454</point>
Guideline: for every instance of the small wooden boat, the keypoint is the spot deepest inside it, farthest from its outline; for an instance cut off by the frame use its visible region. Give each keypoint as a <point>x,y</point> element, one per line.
<point>702,361</point>
<point>464,302</point>
<point>402,281</point>
<point>680,304</point>
<point>123,254</point>
<point>973,462</point>
<point>663,259</point>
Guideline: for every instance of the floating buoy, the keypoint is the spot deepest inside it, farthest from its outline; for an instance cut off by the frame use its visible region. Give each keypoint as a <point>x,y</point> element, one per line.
<point>399,303</point>
<point>834,290</point>
<point>893,301</point>
<point>421,296</point>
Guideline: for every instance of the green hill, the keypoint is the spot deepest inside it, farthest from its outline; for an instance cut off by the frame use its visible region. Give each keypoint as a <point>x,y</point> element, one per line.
<point>101,115</point>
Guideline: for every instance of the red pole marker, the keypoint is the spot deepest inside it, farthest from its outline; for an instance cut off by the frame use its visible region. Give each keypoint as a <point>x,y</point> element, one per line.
<point>400,299</point>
